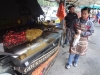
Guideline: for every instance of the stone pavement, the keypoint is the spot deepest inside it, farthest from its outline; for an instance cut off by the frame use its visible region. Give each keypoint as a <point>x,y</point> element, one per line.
<point>87,65</point>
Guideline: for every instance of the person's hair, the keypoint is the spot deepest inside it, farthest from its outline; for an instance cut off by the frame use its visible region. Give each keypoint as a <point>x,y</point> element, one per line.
<point>86,9</point>
<point>71,7</point>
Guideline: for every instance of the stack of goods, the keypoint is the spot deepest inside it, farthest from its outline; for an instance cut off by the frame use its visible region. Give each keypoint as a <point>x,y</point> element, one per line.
<point>33,51</point>
<point>32,34</point>
<point>14,38</point>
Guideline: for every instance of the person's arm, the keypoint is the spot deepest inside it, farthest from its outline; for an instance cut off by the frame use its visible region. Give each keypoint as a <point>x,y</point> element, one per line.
<point>77,33</point>
<point>76,16</point>
<point>66,19</point>
<point>90,30</point>
<point>75,22</point>
<point>65,23</point>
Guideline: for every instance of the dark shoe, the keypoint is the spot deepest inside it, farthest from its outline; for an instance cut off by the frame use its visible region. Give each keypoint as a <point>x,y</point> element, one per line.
<point>68,66</point>
<point>75,64</point>
<point>64,45</point>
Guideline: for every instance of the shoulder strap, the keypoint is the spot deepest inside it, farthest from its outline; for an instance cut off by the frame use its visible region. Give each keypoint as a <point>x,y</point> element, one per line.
<point>87,22</point>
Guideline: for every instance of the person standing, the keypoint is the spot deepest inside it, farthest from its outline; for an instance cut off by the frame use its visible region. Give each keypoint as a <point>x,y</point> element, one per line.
<point>71,16</point>
<point>83,27</point>
<point>98,16</point>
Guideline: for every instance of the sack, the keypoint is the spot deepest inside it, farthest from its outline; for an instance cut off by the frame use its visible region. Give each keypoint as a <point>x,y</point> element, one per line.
<point>61,12</point>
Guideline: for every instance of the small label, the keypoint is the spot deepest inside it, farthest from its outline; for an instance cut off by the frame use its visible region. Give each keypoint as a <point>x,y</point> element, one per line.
<point>26,63</point>
<point>53,44</point>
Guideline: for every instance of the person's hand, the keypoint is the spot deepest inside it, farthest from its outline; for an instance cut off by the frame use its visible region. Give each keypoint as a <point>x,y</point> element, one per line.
<point>66,27</point>
<point>75,36</point>
<point>79,31</point>
<point>78,27</point>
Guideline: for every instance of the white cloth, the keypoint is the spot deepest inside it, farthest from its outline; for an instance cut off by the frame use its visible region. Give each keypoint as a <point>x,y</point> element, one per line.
<point>6,74</point>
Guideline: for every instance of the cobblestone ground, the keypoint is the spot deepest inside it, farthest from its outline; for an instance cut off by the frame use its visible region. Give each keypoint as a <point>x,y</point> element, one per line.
<point>87,65</point>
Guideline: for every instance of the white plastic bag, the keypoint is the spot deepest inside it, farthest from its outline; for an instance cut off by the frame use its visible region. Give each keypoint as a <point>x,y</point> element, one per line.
<point>76,41</point>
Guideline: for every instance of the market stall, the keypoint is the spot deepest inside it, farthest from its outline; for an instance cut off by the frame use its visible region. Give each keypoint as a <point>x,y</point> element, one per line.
<point>27,45</point>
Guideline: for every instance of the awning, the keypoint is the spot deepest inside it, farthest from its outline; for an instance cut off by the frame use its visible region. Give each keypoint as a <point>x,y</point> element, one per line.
<point>93,6</point>
<point>81,2</point>
<point>87,2</point>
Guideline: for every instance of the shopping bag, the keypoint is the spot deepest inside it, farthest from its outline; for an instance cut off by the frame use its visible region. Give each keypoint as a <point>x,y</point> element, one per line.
<point>61,12</point>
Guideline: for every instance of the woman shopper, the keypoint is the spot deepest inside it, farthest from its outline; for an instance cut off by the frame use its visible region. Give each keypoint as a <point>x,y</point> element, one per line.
<point>83,27</point>
<point>98,16</point>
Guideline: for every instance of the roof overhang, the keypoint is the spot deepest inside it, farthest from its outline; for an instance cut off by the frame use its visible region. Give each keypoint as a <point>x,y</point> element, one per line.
<point>81,2</point>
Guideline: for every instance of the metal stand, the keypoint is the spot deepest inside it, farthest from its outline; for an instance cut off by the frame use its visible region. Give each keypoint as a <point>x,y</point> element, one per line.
<point>63,38</point>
